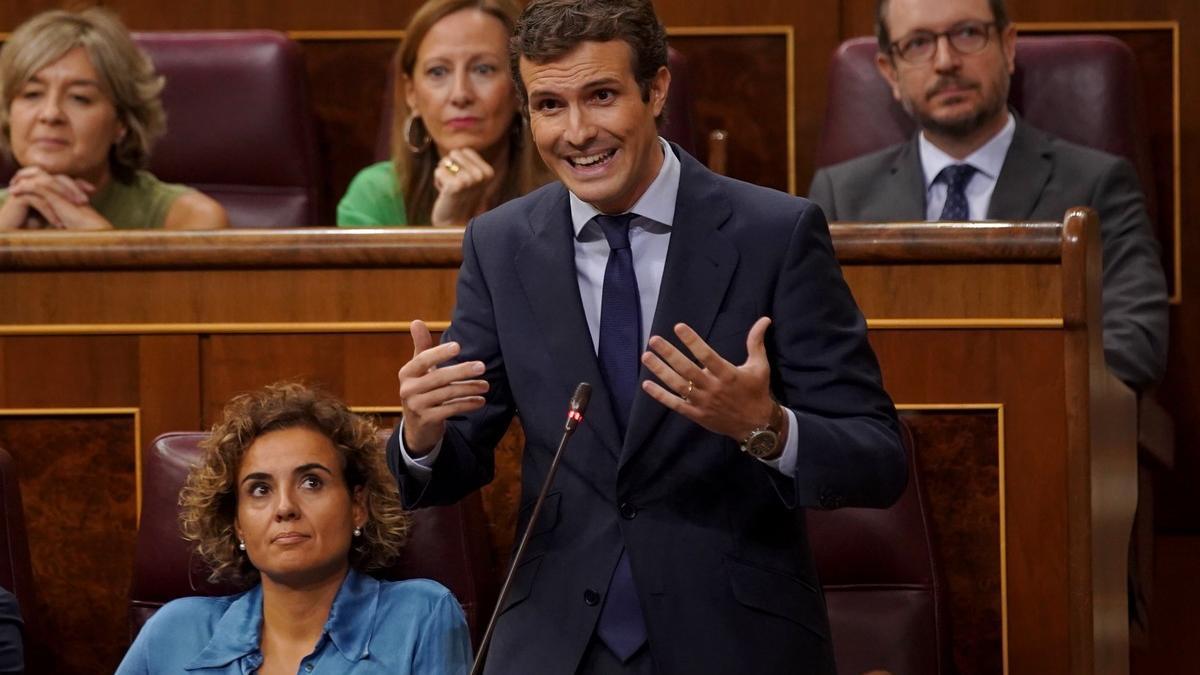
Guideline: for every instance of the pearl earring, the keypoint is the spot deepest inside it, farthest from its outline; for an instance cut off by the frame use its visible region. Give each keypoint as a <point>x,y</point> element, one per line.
<point>358,531</point>
<point>242,544</point>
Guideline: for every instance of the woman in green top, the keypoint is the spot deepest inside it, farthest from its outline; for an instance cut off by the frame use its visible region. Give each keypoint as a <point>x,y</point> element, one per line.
<point>460,145</point>
<point>79,109</point>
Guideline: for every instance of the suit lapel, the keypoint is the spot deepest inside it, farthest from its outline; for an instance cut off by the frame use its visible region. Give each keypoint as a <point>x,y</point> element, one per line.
<point>699,266</point>
<point>904,196</point>
<point>1024,175</point>
<point>546,268</point>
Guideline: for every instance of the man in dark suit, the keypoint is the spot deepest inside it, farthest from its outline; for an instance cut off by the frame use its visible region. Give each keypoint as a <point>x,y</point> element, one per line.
<point>949,63</point>
<point>673,540</point>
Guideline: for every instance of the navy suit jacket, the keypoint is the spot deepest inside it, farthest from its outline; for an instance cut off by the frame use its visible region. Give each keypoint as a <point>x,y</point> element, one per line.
<point>716,539</point>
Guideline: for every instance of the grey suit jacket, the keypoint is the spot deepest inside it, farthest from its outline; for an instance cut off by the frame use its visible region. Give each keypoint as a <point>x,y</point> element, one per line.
<point>1042,177</point>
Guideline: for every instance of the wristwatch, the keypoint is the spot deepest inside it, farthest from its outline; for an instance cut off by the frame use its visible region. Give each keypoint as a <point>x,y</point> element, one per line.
<point>763,442</point>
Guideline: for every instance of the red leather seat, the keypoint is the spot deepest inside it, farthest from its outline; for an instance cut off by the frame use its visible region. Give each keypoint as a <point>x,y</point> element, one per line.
<point>16,571</point>
<point>678,127</point>
<point>239,123</point>
<point>1083,88</point>
<point>448,544</point>
<point>883,584</point>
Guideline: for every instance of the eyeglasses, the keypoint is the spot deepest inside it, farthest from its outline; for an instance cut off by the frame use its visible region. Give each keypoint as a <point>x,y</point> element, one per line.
<point>966,38</point>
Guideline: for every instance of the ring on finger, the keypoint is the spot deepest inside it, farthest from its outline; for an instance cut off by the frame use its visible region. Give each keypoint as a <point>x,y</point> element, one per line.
<point>687,394</point>
<point>451,166</point>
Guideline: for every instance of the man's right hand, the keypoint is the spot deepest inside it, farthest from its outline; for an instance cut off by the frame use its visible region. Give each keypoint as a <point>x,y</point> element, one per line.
<point>430,394</point>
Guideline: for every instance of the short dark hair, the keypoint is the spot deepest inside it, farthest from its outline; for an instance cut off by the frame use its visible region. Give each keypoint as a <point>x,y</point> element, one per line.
<point>550,28</point>
<point>999,15</point>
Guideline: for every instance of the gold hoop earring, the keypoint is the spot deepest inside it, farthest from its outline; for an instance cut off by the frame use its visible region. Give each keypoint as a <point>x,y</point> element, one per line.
<point>421,145</point>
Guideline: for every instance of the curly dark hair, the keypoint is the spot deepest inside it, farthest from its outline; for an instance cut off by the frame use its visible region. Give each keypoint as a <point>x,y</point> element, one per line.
<point>209,497</point>
<point>550,28</point>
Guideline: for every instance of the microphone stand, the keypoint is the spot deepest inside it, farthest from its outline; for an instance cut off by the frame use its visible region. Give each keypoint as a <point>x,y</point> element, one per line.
<point>579,401</point>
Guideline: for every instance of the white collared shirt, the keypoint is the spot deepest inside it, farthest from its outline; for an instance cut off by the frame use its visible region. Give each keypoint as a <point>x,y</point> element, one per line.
<point>987,160</point>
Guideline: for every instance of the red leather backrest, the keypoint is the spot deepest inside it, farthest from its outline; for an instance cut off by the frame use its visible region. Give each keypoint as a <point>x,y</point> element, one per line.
<point>239,123</point>
<point>882,584</point>
<point>1083,88</point>
<point>448,544</point>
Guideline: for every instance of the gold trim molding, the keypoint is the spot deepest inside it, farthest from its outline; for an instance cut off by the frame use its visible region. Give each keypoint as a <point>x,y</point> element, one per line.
<point>217,328</point>
<point>963,323</point>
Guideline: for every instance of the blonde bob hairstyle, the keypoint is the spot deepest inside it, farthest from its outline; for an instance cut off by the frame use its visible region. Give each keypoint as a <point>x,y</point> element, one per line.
<point>209,497</point>
<point>127,77</point>
<point>414,168</point>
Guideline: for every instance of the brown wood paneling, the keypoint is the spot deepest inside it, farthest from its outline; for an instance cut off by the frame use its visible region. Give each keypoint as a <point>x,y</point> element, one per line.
<point>739,84</point>
<point>76,475</point>
<point>65,371</point>
<point>960,471</point>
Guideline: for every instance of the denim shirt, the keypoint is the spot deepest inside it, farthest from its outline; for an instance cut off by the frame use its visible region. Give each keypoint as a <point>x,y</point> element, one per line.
<point>396,627</point>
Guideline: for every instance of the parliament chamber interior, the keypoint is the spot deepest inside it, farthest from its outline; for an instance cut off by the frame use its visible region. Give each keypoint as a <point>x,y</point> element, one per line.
<point>1049,524</point>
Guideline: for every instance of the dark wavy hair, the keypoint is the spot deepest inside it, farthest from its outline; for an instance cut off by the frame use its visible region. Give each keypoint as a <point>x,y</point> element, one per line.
<point>209,497</point>
<point>550,28</point>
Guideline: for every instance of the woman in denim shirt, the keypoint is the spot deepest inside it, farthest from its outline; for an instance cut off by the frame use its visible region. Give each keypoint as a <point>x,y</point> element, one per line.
<point>293,499</point>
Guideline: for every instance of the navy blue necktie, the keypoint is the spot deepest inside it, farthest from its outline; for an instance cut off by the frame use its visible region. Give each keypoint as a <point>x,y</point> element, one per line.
<point>621,627</point>
<point>956,177</point>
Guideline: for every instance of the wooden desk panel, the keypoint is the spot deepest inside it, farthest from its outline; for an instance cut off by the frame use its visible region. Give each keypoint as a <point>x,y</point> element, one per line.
<point>1005,388</point>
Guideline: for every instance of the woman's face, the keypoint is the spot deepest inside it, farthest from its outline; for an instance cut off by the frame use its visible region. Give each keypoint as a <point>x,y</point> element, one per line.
<point>460,85</point>
<point>294,511</point>
<point>63,122</point>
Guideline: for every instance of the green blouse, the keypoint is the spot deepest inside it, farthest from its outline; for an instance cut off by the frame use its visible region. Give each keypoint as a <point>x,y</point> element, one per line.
<point>372,199</point>
<point>138,205</point>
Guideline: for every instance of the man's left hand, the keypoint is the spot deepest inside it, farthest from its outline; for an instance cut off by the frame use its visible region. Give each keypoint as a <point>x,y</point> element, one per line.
<point>705,388</point>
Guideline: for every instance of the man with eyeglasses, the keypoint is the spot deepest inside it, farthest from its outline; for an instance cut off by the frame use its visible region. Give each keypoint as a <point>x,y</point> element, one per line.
<point>949,63</point>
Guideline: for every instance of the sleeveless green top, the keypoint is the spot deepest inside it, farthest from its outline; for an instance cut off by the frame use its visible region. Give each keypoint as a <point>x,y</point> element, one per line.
<point>372,199</point>
<point>138,205</point>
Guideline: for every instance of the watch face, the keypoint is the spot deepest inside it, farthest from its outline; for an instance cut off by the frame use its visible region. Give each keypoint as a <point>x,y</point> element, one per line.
<point>762,443</point>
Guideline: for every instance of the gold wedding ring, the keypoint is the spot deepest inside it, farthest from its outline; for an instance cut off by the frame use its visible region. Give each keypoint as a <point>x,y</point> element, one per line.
<point>687,394</point>
<point>451,166</point>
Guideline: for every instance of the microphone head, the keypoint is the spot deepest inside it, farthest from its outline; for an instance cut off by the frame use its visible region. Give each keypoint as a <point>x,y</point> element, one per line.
<point>583,394</point>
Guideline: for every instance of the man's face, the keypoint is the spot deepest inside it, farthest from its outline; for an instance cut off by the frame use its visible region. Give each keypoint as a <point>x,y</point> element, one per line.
<point>952,94</point>
<point>592,127</point>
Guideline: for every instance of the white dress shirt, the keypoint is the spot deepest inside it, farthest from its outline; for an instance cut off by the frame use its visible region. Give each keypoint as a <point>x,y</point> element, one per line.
<point>987,160</point>
<point>649,239</point>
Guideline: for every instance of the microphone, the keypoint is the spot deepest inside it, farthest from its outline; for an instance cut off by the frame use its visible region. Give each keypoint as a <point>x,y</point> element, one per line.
<point>579,401</point>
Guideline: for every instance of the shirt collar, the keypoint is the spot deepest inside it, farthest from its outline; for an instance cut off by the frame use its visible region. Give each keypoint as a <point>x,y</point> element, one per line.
<point>657,203</point>
<point>350,625</point>
<point>988,159</point>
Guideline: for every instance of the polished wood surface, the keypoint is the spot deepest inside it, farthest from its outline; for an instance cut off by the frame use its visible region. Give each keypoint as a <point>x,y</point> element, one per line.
<point>1023,432</point>
<point>347,112</point>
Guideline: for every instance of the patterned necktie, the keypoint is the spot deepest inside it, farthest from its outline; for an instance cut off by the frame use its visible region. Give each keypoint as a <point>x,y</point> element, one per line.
<point>621,627</point>
<point>956,177</point>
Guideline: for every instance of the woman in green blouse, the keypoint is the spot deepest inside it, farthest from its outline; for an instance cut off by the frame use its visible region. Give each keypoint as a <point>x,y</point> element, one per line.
<point>460,145</point>
<point>79,109</point>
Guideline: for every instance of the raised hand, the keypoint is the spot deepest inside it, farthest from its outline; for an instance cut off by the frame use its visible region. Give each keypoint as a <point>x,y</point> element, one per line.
<point>431,393</point>
<point>464,181</point>
<point>705,388</point>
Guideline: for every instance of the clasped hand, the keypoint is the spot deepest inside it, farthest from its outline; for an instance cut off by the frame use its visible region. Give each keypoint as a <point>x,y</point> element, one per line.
<point>39,199</point>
